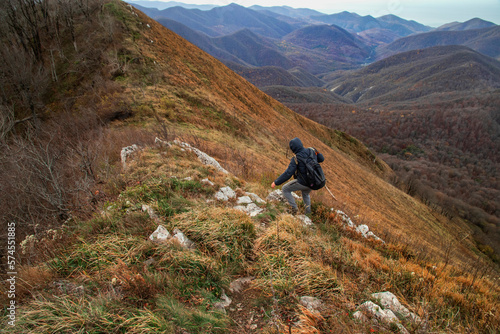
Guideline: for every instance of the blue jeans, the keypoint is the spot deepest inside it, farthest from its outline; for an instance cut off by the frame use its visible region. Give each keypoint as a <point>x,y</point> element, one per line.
<point>294,185</point>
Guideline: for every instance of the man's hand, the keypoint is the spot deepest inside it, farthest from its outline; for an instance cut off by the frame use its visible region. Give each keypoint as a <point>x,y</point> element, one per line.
<point>273,185</point>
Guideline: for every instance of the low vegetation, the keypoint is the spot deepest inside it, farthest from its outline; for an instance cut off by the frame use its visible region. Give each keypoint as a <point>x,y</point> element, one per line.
<point>84,261</point>
<point>110,277</point>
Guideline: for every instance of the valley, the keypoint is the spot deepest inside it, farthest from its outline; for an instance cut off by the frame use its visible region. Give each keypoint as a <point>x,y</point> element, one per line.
<point>424,99</point>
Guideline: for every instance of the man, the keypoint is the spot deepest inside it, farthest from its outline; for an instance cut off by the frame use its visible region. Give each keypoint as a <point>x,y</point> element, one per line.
<point>297,168</point>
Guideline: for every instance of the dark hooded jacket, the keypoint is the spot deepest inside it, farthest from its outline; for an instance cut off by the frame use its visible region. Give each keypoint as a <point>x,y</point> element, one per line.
<point>299,150</point>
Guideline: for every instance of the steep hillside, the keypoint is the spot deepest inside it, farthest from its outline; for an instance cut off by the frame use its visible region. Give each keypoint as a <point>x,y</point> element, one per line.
<point>415,74</point>
<point>252,49</point>
<point>332,41</point>
<point>272,75</point>
<point>485,41</point>
<point>203,41</point>
<point>98,271</point>
<point>292,95</point>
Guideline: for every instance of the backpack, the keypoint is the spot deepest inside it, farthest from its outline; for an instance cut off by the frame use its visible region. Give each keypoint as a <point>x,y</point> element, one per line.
<point>314,176</point>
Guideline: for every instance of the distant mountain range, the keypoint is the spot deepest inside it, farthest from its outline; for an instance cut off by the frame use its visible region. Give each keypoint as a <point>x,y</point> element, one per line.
<point>468,25</point>
<point>419,73</point>
<point>285,46</point>
<point>357,23</point>
<point>485,41</point>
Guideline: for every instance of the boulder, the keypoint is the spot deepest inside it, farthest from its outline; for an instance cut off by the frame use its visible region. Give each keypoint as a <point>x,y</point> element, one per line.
<point>161,234</point>
<point>311,303</point>
<point>277,195</point>
<point>251,209</point>
<point>385,316</point>
<point>225,193</point>
<point>183,240</point>
<point>207,181</point>
<point>244,200</point>
<point>363,230</point>
<point>126,152</point>
<point>202,156</point>
<point>389,301</point>
<point>305,220</point>
<point>255,198</point>
<point>345,218</point>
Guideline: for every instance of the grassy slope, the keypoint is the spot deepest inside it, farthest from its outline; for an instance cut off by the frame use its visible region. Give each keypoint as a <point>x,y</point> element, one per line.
<point>199,100</point>
<point>234,118</point>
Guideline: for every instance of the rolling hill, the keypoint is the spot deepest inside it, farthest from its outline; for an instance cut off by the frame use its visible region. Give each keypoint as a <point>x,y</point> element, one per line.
<point>416,74</point>
<point>475,23</point>
<point>357,23</point>
<point>485,41</point>
<point>224,20</point>
<point>300,13</point>
<point>332,41</point>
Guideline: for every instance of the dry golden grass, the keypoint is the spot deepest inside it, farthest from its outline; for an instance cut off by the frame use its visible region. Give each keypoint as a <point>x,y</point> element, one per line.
<point>202,102</point>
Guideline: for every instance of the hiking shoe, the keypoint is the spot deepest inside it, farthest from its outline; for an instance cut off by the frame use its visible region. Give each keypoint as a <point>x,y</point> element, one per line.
<point>293,211</point>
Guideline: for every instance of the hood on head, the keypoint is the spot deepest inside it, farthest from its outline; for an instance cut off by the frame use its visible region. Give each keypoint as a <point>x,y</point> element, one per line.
<point>296,145</point>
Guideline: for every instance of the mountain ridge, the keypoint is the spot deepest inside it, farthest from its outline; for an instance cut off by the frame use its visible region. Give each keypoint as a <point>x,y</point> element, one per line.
<point>483,40</point>
<point>423,72</point>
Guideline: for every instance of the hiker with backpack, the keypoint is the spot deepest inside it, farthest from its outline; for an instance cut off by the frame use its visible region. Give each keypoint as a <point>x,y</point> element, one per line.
<point>307,173</point>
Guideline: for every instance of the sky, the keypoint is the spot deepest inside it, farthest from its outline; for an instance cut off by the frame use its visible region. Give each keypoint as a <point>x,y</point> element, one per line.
<point>429,12</point>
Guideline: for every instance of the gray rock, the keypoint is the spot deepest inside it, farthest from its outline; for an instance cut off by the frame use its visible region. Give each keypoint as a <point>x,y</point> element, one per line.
<point>305,220</point>
<point>277,195</point>
<point>251,209</point>
<point>389,301</point>
<point>345,219</point>
<point>161,234</point>
<point>126,152</point>
<point>208,182</point>
<point>202,156</point>
<point>224,302</point>
<point>385,316</point>
<point>311,303</point>
<point>183,240</point>
<point>362,229</point>
<point>160,142</point>
<point>255,198</point>
<point>360,316</point>
<point>244,200</point>
<point>225,193</point>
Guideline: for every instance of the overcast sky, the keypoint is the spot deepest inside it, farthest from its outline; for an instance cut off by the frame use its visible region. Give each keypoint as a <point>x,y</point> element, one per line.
<point>429,12</point>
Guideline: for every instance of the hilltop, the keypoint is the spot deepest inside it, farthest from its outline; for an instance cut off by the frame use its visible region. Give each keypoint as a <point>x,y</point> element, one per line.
<point>87,263</point>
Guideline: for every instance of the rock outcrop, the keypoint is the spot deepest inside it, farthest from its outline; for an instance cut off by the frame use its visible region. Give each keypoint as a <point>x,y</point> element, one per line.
<point>387,310</point>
